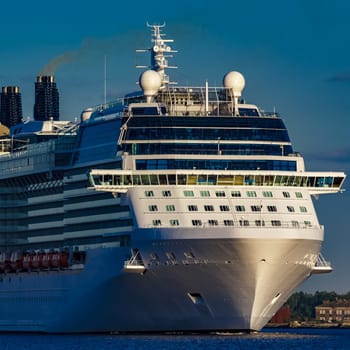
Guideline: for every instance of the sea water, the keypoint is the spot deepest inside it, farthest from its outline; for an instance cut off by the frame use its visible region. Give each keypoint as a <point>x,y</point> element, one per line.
<point>301,339</point>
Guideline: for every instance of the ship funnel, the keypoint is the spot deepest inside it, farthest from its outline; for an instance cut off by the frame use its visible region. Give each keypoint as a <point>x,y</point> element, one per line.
<point>234,83</point>
<point>150,82</point>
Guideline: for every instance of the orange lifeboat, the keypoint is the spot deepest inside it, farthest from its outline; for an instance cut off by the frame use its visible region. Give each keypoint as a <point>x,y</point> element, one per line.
<point>34,261</point>
<point>64,259</point>
<point>7,262</point>
<point>2,262</point>
<point>44,262</point>
<point>26,260</point>
<point>16,261</point>
<point>50,258</point>
<point>55,260</point>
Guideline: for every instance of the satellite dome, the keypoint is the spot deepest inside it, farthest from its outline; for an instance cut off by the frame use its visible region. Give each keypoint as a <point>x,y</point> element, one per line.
<point>150,82</point>
<point>235,82</point>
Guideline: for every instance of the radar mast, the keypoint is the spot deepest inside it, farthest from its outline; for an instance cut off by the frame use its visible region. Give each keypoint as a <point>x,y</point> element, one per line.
<point>160,52</point>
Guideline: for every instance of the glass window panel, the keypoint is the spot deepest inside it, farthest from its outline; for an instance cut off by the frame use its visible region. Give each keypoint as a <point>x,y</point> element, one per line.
<point>211,179</point>
<point>181,179</point>
<point>154,179</point>
<point>145,179</point>
<point>136,179</point>
<point>202,179</point>
<point>163,180</point>
<point>171,179</point>
<point>192,179</point>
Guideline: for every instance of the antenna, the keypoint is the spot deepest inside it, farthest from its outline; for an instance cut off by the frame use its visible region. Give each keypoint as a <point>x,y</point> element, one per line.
<point>159,51</point>
<point>105,78</point>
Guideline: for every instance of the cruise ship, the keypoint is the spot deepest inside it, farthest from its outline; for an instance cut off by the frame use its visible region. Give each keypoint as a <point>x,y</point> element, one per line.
<point>172,209</point>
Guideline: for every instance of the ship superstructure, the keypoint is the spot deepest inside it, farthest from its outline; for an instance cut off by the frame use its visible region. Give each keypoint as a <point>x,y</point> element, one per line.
<point>172,209</point>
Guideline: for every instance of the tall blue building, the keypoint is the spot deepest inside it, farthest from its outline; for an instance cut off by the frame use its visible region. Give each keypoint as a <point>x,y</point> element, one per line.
<point>46,104</point>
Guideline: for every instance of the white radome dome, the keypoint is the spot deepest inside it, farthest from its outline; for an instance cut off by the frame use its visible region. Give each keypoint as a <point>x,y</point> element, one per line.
<point>150,82</point>
<point>234,81</point>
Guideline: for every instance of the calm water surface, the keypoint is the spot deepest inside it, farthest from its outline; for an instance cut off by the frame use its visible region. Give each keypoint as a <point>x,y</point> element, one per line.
<point>325,339</point>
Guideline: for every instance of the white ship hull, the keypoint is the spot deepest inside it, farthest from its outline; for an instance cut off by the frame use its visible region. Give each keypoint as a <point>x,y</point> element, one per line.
<point>231,284</point>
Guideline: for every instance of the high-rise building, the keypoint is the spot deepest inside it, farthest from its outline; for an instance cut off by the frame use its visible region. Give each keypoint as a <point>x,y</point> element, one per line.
<point>46,104</point>
<point>10,106</point>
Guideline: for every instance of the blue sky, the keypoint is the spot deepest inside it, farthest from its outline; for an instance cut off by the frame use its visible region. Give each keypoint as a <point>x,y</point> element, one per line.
<point>295,56</point>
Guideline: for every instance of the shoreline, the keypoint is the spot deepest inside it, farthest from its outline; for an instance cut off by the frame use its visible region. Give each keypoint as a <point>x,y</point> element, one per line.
<point>308,324</point>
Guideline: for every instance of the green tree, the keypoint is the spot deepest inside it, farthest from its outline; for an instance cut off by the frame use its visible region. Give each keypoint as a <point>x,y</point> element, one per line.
<point>302,305</point>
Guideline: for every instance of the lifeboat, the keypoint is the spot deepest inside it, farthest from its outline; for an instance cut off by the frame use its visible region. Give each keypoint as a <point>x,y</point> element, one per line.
<point>55,260</point>
<point>26,261</point>
<point>64,259</point>
<point>2,262</point>
<point>16,261</point>
<point>49,258</point>
<point>7,262</point>
<point>34,261</point>
<point>44,261</point>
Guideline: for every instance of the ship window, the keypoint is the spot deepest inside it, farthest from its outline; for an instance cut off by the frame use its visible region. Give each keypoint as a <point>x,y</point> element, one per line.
<point>205,193</point>
<point>256,207</point>
<point>192,208</point>
<point>145,179</point>
<point>149,193</point>
<point>220,194</point>
<point>188,193</point>
<point>170,207</point>
<point>244,222</point>
<point>174,222</point>
<point>172,179</point>
<point>163,179</point>
<point>144,111</point>
<point>157,222</point>
<point>248,112</point>
<point>259,222</point>
<point>228,222</point>
<point>197,222</point>
<point>153,207</point>
<point>154,179</point>
<point>213,222</point>
<point>235,193</point>
<point>224,208</point>
<point>271,208</point>
<point>251,193</point>
<point>295,224</point>
<point>240,208</point>
<point>181,179</point>
<point>307,223</point>
<point>286,194</point>
<point>166,193</point>
<point>290,209</point>
<point>208,208</point>
<point>267,194</point>
<point>276,223</point>
<point>303,209</point>
<point>298,195</point>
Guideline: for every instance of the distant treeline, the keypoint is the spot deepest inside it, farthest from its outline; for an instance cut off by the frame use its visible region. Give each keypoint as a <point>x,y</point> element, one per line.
<point>302,305</point>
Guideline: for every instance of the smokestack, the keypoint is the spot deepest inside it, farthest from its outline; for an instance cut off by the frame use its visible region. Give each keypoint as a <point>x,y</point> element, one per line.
<point>46,106</point>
